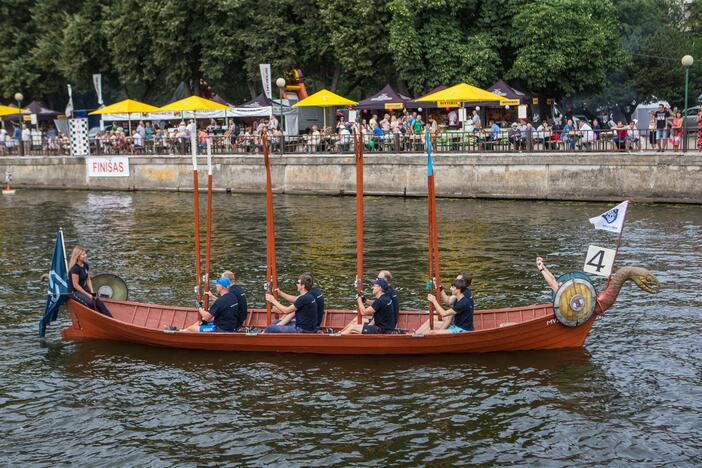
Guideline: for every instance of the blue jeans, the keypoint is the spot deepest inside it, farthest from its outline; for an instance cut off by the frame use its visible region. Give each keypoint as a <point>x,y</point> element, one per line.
<point>286,329</point>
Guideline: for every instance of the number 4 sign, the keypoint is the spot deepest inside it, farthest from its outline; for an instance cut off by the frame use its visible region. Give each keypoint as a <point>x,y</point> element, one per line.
<point>599,261</point>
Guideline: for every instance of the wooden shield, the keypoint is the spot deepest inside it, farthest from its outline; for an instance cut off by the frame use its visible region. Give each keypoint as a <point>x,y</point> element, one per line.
<point>575,302</point>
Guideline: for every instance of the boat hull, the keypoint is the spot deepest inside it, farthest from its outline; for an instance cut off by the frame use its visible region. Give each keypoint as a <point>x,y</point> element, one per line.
<point>516,329</point>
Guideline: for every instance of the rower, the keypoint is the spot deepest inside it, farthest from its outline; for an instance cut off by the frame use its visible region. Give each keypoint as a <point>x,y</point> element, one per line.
<point>387,277</point>
<point>303,310</point>
<point>242,311</point>
<point>458,318</point>
<point>449,300</point>
<point>318,297</point>
<point>381,310</point>
<point>223,312</point>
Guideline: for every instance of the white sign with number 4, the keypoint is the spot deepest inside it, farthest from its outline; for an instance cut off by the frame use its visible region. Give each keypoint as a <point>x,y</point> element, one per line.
<point>599,261</point>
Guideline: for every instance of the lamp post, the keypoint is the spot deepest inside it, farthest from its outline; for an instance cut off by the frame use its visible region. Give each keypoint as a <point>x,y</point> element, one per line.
<point>18,98</point>
<point>280,83</point>
<point>687,62</point>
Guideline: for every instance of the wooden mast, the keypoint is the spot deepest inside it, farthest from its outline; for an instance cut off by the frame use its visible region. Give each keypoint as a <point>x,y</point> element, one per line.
<point>196,211</point>
<point>271,270</point>
<point>208,239</point>
<point>432,234</point>
<point>358,146</point>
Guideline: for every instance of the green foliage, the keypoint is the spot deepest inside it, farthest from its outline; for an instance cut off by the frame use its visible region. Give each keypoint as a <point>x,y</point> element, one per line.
<point>568,46</point>
<point>602,51</point>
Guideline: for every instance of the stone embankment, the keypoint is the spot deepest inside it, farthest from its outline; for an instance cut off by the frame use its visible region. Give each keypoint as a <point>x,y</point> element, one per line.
<point>650,177</point>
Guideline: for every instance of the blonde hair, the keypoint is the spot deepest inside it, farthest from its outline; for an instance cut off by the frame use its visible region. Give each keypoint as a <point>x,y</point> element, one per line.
<point>77,250</point>
<point>229,275</point>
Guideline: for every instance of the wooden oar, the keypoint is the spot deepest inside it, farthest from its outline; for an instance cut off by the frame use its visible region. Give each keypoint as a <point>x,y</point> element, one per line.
<point>358,146</point>
<point>433,233</point>
<point>196,211</point>
<point>271,271</point>
<point>208,239</point>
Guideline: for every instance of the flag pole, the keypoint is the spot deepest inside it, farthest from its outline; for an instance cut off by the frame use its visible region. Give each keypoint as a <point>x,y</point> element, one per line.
<point>619,243</point>
<point>432,232</point>
<point>357,138</point>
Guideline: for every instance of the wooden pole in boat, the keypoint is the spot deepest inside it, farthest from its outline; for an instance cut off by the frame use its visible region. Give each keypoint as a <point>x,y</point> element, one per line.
<point>208,238</point>
<point>433,232</point>
<point>358,146</point>
<point>271,270</point>
<point>196,210</point>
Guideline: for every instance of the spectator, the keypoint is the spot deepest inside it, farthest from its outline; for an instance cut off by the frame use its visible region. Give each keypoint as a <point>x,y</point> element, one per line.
<point>633,137</point>
<point>385,123</point>
<point>515,137</point>
<point>619,136</point>
<point>596,129</point>
<point>569,134</point>
<point>138,140</point>
<point>676,130</point>
<point>453,119</point>
<point>27,139</point>
<point>587,136</point>
<point>652,129</point>
<point>699,129</point>
<point>273,123</point>
<point>373,122</point>
<point>543,134</point>
<point>662,128</point>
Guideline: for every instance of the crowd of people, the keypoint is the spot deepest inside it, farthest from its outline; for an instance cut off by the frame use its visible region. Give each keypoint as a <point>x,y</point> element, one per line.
<point>388,131</point>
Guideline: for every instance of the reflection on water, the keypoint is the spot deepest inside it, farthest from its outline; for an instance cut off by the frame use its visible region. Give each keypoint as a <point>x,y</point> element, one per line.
<point>631,396</point>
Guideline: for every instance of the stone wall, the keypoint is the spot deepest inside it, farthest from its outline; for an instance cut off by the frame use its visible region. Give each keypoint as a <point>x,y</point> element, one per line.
<point>641,177</point>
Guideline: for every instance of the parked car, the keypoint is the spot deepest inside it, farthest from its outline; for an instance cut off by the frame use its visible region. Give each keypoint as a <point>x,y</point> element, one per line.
<point>692,117</point>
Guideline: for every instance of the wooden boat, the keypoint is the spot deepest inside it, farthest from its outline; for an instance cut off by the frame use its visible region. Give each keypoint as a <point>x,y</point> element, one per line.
<point>533,327</point>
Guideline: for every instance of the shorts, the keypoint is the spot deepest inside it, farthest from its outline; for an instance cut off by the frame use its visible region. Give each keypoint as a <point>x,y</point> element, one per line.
<point>374,330</point>
<point>286,329</point>
<point>661,133</point>
<point>632,139</point>
<point>456,329</point>
<point>211,327</point>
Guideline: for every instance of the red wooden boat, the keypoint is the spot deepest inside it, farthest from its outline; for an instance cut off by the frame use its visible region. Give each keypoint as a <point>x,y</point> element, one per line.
<point>512,329</point>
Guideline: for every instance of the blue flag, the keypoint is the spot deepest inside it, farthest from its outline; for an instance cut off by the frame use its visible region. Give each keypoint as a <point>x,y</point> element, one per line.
<point>58,285</point>
<point>430,165</point>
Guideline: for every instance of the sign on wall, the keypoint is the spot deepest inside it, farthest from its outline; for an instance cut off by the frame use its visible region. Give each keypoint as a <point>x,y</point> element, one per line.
<point>114,166</point>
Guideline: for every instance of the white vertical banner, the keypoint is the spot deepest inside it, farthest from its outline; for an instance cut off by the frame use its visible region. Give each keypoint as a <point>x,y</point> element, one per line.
<point>266,79</point>
<point>97,83</point>
<point>69,106</point>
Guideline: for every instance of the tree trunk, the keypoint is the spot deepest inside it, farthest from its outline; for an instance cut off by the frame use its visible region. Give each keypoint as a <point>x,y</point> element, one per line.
<point>335,78</point>
<point>252,89</point>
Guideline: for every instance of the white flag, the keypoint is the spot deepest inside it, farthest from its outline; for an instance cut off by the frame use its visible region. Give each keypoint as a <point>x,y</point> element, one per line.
<point>69,106</point>
<point>266,79</point>
<point>97,83</point>
<point>612,220</point>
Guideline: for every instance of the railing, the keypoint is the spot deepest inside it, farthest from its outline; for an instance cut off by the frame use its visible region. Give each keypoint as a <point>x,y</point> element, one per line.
<point>451,141</point>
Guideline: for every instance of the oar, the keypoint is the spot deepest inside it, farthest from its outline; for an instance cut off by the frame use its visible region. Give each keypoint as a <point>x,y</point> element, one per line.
<point>433,232</point>
<point>196,211</point>
<point>209,222</point>
<point>271,271</point>
<point>358,146</point>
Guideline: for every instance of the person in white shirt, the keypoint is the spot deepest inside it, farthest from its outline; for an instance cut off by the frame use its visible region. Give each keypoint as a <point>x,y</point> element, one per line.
<point>587,136</point>
<point>273,123</point>
<point>633,136</point>
<point>453,119</point>
<point>27,139</point>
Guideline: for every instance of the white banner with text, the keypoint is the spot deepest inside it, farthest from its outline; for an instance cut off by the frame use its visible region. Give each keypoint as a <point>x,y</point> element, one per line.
<point>115,166</point>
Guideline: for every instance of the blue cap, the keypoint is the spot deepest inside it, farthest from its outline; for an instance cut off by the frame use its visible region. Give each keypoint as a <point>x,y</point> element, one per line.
<point>382,283</point>
<point>223,281</point>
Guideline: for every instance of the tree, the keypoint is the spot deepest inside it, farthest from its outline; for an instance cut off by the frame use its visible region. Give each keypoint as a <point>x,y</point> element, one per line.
<point>566,47</point>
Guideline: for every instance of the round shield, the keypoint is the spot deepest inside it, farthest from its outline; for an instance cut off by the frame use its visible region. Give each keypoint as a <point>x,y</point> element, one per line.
<point>110,286</point>
<point>575,302</point>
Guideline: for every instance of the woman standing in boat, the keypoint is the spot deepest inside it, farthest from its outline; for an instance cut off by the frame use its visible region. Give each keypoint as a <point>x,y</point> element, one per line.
<point>80,288</point>
<point>458,318</point>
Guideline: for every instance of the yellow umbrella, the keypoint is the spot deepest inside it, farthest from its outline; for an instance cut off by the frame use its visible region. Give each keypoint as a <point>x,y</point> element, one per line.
<point>462,92</point>
<point>128,106</point>
<point>193,103</point>
<point>7,110</point>
<point>325,98</point>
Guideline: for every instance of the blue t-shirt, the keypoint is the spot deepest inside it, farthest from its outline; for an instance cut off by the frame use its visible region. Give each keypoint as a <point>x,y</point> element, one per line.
<point>377,131</point>
<point>384,313</point>
<point>464,311</point>
<point>306,312</point>
<point>224,312</point>
<point>319,299</point>
<point>242,310</point>
<point>82,272</point>
<point>395,303</point>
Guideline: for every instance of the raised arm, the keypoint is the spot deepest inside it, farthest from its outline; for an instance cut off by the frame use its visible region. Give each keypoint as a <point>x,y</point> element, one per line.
<point>284,309</point>
<point>286,296</point>
<point>548,276</point>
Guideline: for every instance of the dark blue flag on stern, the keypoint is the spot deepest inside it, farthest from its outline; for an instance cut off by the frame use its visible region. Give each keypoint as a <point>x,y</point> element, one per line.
<point>58,286</point>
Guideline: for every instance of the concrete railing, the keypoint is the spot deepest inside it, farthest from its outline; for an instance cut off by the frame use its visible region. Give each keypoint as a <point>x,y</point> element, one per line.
<point>652,177</point>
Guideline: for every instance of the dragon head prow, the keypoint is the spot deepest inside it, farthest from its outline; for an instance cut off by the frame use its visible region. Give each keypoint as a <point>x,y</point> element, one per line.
<point>643,278</point>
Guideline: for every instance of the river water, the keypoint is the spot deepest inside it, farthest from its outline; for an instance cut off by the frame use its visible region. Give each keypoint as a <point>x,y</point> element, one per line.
<point>633,395</point>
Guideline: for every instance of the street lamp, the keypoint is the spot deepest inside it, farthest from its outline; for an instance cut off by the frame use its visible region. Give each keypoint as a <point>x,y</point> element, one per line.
<point>280,83</point>
<point>18,98</point>
<point>686,62</point>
